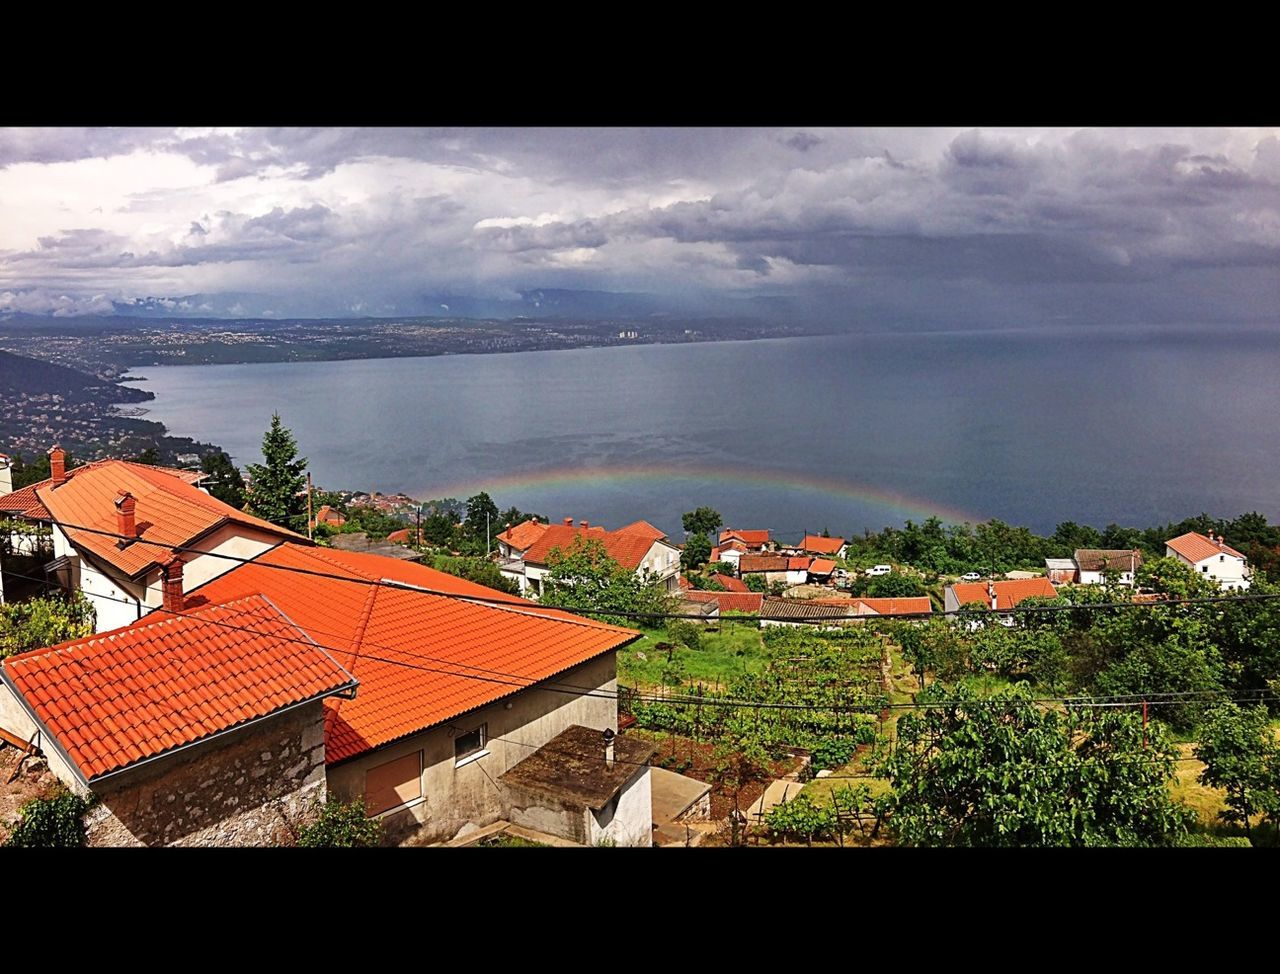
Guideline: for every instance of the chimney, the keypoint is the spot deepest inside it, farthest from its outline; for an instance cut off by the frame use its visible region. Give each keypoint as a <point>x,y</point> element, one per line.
<point>991,592</point>
<point>125,523</point>
<point>584,524</point>
<point>568,522</point>
<point>608,747</point>
<point>58,465</point>
<point>6,475</point>
<point>174,600</point>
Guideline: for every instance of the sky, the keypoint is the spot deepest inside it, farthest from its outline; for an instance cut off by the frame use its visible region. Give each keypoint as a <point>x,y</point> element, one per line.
<point>862,228</point>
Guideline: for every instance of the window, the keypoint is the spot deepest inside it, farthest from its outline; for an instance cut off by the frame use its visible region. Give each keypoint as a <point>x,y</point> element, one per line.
<point>395,784</point>
<point>467,747</point>
<point>1222,558</point>
<point>1204,568</point>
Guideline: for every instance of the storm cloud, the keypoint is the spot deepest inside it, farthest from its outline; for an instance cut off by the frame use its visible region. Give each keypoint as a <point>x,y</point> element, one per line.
<point>1031,227</point>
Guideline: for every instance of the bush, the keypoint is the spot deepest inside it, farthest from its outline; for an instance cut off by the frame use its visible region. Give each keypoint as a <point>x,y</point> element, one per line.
<point>339,826</point>
<point>687,633</point>
<point>833,752</point>
<point>801,818</point>
<point>56,822</point>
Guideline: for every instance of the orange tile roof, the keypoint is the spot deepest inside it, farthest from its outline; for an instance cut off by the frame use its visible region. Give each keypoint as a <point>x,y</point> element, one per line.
<point>1195,547</point>
<point>625,546</point>
<point>799,563</point>
<point>822,566</point>
<point>730,583</point>
<point>327,515</point>
<point>753,538</point>
<point>421,659</point>
<point>728,601</point>
<point>24,502</point>
<point>643,527</point>
<point>820,545</point>
<point>904,606</point>
<point>169,512</point>
<point>1008,594</point>
<point>763,563</point>
<point>523,534</point>
<point>120,697</point>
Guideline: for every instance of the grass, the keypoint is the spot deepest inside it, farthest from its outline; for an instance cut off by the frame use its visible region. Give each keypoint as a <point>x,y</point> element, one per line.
<point>721,656</point>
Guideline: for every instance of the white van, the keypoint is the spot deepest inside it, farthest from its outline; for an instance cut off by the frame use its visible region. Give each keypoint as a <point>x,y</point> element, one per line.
<point>880,570</point>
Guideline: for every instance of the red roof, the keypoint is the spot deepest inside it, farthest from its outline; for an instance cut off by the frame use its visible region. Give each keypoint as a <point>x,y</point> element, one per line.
<point>625,546</point>
<point>643,527</point>
<point>763,563</point>
<point>169,512</point>
<point>1195,547</point>
<point>120,697</point>
<point>822,566</point>
<point>905,606</point>
<point>1008,594</point>
<point>728,601</point>
<point>523,534</point>
<point>421,658</point>
<point>731,584</point>
<point>24,502</point>
<point>754,539</point>
<point>799,563</point>
<point>327,515</point>
<point>820,545</point>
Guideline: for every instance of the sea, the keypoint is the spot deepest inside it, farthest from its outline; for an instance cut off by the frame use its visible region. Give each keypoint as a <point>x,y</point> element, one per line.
<point>843,433</point>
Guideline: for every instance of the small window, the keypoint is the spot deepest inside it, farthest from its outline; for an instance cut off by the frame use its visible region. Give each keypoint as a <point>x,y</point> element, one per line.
<point>1222,558</point>
<point>1204,568</point>
<point>469,746</point>
<point>393,785</point>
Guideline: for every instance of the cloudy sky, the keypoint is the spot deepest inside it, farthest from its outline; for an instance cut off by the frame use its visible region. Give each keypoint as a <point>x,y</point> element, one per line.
<point>912,227</point>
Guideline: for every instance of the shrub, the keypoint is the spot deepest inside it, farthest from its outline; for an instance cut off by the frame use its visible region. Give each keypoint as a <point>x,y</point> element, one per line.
<point>834,752</point>
<point>686,633</point>
<point>55,822</point>
<point>339,826</point>
<point>801,818</point>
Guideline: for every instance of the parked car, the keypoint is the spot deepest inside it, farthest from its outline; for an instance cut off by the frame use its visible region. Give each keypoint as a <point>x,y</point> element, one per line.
<point>880,570</point>
<point>970,577</point>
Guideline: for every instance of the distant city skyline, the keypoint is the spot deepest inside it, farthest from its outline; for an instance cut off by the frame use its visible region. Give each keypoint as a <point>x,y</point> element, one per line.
<point>856,227</point>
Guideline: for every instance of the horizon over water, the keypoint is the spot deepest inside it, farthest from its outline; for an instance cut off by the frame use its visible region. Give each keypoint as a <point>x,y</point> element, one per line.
<point>844,432</point>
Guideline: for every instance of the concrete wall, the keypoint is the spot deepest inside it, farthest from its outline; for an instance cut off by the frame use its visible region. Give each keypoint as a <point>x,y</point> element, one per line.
<point>628,819</point>
<point>461,798</point>
<point>17,722</point>
<point>1096,578</point>
<point>252,787</point>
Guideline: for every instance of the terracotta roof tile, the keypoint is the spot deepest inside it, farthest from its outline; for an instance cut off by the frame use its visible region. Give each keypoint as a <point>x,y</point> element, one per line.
<point>523,534</point>
<point>754,539</point>
<point>1195,547</point>
<point>728,601</point>
<point>624,546</point>
<point>421,658</point>
<point>820,545</point>
<point>730,583</point>
<point>1008,593</point>
<point>169,680</point>
<point>905,606</point>
<point>169,512</point>
<point>763,563</point>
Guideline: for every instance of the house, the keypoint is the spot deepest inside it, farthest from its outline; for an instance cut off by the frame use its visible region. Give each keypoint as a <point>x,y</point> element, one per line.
<point>751,541</point>
<point>730,553</point>
<point>788,570</point>
<point>805,612</point>
<point>1060,571</point>
<point>1211,557</point>
<point>409,690</point>
<point>908,606</point>
<point>820,570</point>
<point>515,541</point>
<point>1092,563</point>
<point>328,516</point>
<point>746,602</point>
<point>815,544</point>
<point>998,596</point>
<point>115,524</point>
<point>730,583</point>
<point>637,547</point>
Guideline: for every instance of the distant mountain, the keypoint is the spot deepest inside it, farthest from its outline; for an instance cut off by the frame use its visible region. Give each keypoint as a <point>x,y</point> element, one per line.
<point>20,375</point>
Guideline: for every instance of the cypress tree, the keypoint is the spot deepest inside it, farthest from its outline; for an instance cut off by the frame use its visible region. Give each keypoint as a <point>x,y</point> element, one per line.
<point>279,484</point>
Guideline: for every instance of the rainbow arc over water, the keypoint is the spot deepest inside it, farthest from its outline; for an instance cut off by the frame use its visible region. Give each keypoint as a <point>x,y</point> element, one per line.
<point>706,478</point>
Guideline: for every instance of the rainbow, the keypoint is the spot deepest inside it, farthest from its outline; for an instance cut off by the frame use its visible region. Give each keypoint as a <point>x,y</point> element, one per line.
<point>706,477</point>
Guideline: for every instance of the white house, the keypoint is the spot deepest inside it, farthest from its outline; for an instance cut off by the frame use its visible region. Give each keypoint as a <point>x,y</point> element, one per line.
<point>638,547</point>
<point>1092,563</point>
<point>116,524</point>
<point>1211,557</point>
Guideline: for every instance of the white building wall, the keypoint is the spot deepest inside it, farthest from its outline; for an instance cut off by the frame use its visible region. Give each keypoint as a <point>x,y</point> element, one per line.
<point>628,819</point>
<point>1228,571</point>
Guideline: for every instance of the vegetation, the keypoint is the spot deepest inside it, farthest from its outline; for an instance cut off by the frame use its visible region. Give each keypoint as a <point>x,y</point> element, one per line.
<point>340,826</point>
<point>1240,754</point>
<point>43,621</point>
<point>478,570</point>
<point>279,482</point>
<point>696,551</point>
<point>1003,771</point>
<point>224,479</point>
<point>585,579</point>
<point>52,822</point>
<point>703,521</point>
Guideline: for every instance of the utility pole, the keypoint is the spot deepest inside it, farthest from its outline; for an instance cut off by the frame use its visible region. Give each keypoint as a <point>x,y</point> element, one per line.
<point>486,534</point>
<point>310,520</point>
<point>418,537</point>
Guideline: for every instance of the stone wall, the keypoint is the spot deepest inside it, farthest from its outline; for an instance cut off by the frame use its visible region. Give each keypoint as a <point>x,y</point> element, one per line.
<point>252,787</point>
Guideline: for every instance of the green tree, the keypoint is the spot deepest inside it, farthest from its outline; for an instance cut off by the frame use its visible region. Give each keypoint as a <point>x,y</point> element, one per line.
<point>482,521</point>
<point>895,585</point>
<point>340,826</point>
<point>584,578</point>
<point>1003,771</point>
<point>478,570</point>
<point>1240,754</point>
<point>755,582</point>
<point>224,480</point>
<point>150,456</point>
<point>44,621</point>
<point>696,551</point>
<point>704,520</point>
<point>279,487</point>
